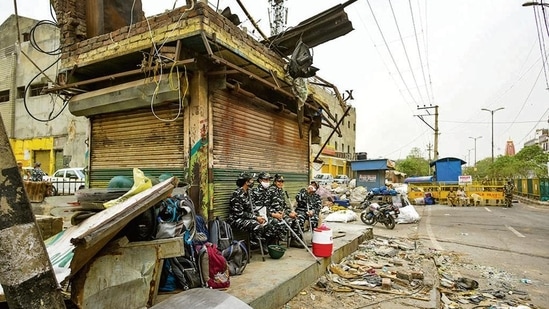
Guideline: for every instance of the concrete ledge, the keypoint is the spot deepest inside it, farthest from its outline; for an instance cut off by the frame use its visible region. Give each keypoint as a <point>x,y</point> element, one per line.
<point>49,225</point>
<point>271,284</point>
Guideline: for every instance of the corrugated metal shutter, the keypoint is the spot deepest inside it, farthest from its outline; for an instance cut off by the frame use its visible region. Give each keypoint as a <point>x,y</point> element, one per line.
<point>122,141</point>
<point>251,136</point>
<point>248,135</point>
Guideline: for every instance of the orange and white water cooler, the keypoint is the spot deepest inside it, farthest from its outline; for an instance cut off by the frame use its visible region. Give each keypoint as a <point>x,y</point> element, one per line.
<point>323,241</point>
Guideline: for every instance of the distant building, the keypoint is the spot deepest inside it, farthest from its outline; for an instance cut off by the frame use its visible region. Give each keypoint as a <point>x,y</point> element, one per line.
<point>541,139</point>
<point>39,125</point>
<point>510,148</point>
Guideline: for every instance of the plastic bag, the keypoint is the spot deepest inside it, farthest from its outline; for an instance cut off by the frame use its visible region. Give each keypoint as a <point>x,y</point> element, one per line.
<point>140,184</point>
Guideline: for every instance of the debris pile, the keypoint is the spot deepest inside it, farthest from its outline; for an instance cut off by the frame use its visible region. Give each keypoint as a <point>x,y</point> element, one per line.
<point>392,267</point>
<point>493,288</point>
<point>385,269</point>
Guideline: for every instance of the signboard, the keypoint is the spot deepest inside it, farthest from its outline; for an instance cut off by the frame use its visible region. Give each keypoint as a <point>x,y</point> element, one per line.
<point>367,177</point>
<point>465,179</point>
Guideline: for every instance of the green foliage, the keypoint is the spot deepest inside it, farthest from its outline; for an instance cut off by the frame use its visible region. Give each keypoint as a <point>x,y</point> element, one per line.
<point>414,164</point>
<point>530,161</point>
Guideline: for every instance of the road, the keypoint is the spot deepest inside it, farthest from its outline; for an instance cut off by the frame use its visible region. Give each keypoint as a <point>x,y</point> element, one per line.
<point>515,239</point>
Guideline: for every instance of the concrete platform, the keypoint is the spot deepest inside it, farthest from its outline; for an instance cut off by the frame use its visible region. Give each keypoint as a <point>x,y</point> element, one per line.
<point>271,284</point>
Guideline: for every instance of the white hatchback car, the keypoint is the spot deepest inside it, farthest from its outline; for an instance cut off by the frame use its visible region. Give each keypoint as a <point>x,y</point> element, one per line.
<point>342,179</point>
<point>324,179</point>
<point>67,180</point>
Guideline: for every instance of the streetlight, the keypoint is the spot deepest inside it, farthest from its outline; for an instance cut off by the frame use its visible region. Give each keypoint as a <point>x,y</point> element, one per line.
<point>475,138</point>
<point>492,111</point>
<point>532,3</point>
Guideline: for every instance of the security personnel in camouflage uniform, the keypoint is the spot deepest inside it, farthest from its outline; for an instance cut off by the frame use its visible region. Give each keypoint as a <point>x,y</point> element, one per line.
<point>281,210</point>
<point>308,206</point>
<point>242,215</point>
<point>261,200</point>
<point>260,193</point>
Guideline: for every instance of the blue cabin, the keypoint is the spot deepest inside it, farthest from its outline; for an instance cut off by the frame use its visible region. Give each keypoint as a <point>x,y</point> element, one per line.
<point>447,169</point>
<point>371,173</point>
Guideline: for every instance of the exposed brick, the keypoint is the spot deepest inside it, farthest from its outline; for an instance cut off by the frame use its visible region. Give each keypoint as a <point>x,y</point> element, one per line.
<point>403,275</point>
<point>385,284</point>
<point>417,275</point>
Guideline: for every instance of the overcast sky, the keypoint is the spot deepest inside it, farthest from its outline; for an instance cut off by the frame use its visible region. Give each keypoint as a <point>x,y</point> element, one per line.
<point>460,55</point>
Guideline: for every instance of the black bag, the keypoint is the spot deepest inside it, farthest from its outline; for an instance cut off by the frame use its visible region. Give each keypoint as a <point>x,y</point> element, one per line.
<point>186,273</point>
<point>237,257</point>
<point>221,233</point>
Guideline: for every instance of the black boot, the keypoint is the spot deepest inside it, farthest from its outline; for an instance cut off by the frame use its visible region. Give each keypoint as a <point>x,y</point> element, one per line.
<point>295,243</point>
<point>271,241</point>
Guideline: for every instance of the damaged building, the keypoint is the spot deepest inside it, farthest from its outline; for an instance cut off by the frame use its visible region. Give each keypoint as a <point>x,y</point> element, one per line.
<point>189,93</point>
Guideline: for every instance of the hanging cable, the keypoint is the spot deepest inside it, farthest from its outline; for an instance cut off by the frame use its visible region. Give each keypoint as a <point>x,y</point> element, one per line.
<point>406,53</point>
<point>391,54</point>
<point>50,117</point>
<point>541,45</point>
<point>419,52</point>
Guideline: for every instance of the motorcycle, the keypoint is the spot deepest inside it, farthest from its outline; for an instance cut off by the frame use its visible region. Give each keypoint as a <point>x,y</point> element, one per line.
<point>386,214</point>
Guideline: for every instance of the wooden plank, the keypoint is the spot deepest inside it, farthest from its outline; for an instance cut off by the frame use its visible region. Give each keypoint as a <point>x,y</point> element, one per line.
<point>71,249</point>
<point>124,274</point>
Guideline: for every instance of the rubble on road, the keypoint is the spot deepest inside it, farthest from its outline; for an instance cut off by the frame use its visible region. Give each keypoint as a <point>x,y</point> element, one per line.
<point>385,269</point>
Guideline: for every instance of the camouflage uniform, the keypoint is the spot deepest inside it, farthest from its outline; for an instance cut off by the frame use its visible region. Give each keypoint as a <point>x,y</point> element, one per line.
<point>37,174</point>
<point>305,202</point>
<point>277,203</point>
<point>260,198</point>
<point>242,215</point>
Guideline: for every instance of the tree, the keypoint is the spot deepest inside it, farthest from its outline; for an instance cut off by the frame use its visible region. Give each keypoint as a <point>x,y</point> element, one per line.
<point>414,164</point>
<point>533,161</point>
<point>530,161</point>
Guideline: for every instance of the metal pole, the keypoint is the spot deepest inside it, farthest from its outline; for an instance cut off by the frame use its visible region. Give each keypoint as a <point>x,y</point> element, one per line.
<point>492,136</point>
<point>300,240</point>
<point>475,138</point>
<point>492,111</point>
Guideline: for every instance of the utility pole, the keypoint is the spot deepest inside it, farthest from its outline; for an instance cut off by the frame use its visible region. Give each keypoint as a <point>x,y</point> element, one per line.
<point>26,273</point>
<point>435,128</point>
<point>429,149</point>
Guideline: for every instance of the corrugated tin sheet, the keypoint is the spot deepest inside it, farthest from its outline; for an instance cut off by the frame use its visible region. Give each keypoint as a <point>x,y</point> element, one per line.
<point>248,136</point>
<point>122,141</point>
<point>253,137</point>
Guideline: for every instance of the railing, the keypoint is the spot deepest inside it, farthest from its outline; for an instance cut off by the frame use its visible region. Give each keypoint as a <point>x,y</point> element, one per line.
<point>67,186</point>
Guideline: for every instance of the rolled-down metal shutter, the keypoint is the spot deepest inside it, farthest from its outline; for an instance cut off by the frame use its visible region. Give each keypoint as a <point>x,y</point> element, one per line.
<point>152,142</point>
<point>252,136</point>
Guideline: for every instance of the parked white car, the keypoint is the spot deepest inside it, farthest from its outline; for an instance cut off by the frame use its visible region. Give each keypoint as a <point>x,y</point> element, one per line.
<point>324,179</point>
<point>67,180</point>
<point>342,179</point>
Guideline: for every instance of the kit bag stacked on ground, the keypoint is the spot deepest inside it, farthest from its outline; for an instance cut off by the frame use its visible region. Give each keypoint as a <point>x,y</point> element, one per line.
<point>171,216</point>
<point>237,257</point>
<point>221,233</point>
<point>213,267</point>
<point>186,273</point>
<point>183,272</point>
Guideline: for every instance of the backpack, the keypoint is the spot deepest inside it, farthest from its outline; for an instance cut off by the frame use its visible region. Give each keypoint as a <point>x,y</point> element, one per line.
<point>167,278</point>
<point>170,219</point>
<point>221,233</point>
<point>237,257</point>
<point>213,267</point>
<point>185,272</point>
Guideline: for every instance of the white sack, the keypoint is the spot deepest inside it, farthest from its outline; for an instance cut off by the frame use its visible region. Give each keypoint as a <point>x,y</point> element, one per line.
<point>408,214</point>
<point>342,216</point>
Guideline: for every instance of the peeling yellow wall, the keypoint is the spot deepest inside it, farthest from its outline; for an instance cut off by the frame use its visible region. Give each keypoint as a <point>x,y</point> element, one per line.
<point>27,150</point>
